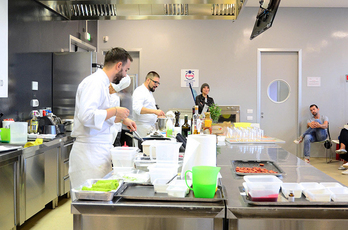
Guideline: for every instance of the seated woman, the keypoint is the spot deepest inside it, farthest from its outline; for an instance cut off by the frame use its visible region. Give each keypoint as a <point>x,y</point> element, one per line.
<point>203,98</point>
<point>343,141</point>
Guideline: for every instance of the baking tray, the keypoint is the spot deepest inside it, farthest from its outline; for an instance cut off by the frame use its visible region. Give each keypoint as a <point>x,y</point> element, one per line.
<point>95,195</point>
<point>134,191</point>
<point>269,165</point>
<point>282,201</point>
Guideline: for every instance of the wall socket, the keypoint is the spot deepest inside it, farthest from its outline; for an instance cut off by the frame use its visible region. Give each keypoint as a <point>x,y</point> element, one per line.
<point>250,110</point>
<point>249,118</point>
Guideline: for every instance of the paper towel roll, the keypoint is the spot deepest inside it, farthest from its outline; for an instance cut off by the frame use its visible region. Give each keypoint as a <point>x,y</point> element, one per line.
<point>200,150</point>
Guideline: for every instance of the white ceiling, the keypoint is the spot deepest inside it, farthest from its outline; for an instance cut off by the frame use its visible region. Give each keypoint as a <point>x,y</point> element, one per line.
<point>304,3</point>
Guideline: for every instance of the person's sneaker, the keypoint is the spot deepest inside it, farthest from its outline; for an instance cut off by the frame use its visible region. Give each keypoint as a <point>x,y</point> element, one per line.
<point>345,165</point>
<point>341,151</point>
<point>341,168</point>
<point>345,172</point>
<point>298,140</point>
<point>306,160</point>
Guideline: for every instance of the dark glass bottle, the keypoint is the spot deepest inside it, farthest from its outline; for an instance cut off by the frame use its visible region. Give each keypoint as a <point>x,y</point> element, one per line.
<point>193,113</point>
<point>185,128</point>
<point>177,118</point>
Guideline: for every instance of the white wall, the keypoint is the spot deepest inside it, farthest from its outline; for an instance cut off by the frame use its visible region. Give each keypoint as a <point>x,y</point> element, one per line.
<point>3,48</point>
<point>226,58</point>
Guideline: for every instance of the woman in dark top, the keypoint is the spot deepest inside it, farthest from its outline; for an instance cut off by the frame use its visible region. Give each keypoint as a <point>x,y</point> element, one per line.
<point>203,98</point>
<point>343,138</point>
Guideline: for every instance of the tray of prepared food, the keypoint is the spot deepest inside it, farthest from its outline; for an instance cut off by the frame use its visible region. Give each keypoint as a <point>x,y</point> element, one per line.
<point>254,167</point>
<point>98,189</point>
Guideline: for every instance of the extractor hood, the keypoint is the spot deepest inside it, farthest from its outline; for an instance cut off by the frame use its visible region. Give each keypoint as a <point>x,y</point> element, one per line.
<point>145,9</point>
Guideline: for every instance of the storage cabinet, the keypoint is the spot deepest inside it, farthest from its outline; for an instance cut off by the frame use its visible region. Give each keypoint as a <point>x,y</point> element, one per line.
<point>8,179</point>
<point>39,178</point>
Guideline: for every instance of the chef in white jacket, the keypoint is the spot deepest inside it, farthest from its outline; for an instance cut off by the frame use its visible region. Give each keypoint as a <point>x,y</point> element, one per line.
<point>145,112</point>
<point>94,119</point>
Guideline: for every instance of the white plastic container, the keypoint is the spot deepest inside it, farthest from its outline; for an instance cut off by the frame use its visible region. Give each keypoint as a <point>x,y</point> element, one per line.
<point>297,188</point>
<point>263,188</point>
<point>123,156</point>
<point>310,185</point>
<point>178,188</point>
<point>331,184</point>
<point>18,132</point>
<point>146,146</point>
<point>160,185</point>
<point>339,194</point>
<point>320,194</point>
<point>162,171</point>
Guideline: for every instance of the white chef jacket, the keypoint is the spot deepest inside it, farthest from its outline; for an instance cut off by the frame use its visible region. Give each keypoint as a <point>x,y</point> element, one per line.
<point>90,155</point>
<point>142,97</point>
<point>115,102</point>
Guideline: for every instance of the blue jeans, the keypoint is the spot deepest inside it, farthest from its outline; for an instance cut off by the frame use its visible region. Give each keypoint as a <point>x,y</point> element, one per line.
<point>312,135</point>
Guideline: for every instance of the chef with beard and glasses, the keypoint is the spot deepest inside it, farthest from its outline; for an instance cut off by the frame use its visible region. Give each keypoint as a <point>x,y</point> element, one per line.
<point>95,117</point>
<point>145,112</point>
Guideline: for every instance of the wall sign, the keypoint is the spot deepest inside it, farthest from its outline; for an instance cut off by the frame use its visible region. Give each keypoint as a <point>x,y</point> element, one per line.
<point>314,81</point>
<point>189,76</point>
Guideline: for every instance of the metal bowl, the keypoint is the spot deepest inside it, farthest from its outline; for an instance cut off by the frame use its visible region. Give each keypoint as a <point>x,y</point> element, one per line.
<point>162,124</point>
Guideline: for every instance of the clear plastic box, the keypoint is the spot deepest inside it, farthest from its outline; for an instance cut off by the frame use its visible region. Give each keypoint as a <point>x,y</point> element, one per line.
<point>310,185</point>
<point>160,185</point>
<point>162,171</point>
<point>297,188</point>
<point>331,184</point>
<point>263,188</point>
<point>320,194</point>
<point>339,194</point>
<point>178,188</point>
<point>123,156</point>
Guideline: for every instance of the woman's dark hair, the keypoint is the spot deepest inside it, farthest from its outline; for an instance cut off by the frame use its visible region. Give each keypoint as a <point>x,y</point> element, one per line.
<point>203,86</point>
<point>117,55</point>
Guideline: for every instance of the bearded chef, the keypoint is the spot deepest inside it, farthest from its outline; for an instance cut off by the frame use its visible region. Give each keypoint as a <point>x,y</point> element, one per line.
<point>95,117</point>
<point>145,111</point>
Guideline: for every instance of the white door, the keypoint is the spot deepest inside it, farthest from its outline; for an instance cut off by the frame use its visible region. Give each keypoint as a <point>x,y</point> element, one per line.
<point>279,77</point>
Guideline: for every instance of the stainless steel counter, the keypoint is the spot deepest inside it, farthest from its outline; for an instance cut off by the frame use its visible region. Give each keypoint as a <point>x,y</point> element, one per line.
<point>242,216</point>
<point>232,214</point>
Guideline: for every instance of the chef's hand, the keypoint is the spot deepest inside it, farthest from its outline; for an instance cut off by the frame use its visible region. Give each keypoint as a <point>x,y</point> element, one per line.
<point>130,124</point>
<point>121,114</point>
<point>159,113</point>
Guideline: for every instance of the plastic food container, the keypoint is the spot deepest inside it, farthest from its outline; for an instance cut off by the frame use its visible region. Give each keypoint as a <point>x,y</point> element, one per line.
<point>331,184</point>
<point>339,194</point>
<point>178,188</point>
<point>263,188</point>
<point>123,156</point>
<point>320,194</point>
<point>18,132</point>
<point>160,185</point>
<point>297,188</point>
<point>310,185</point>
<point>162,171</point>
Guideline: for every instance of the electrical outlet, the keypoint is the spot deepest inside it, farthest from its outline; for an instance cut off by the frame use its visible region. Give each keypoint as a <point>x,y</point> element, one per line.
<point>35,85</point>
<point>249,118</point>
<point>250,110</point>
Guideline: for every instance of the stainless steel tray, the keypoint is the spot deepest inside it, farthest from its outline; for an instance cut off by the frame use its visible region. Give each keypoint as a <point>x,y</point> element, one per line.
<point>282,201</point>
<point>133,191</point>
<point>269,165</point>
<point>94,195</point>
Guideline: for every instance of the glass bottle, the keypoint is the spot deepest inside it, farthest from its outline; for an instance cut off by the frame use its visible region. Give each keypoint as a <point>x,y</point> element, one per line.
<point>291,196</point>
<point>177,118</point>
<point>186,128</point>
<point>193,113</point>
<point>207,122</point>
<point>195,121</point>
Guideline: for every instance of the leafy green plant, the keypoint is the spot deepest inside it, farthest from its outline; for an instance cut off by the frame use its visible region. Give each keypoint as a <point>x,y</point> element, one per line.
<point>215,112</point>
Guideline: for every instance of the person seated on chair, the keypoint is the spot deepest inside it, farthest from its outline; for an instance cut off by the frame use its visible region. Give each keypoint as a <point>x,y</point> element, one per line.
<point>316,131</point>
<point>343,142</point>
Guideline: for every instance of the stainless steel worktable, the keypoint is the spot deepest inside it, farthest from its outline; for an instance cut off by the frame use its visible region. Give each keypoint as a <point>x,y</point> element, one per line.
<point>240,215</point>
